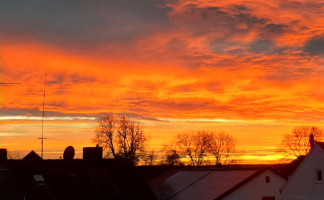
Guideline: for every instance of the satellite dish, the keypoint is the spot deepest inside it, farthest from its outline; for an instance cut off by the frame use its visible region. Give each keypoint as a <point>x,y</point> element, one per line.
<point>69,153</point>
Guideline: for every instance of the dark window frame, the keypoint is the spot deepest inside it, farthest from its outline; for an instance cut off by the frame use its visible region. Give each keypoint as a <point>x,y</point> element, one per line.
<point>318,176</point>
<point>269,198</point>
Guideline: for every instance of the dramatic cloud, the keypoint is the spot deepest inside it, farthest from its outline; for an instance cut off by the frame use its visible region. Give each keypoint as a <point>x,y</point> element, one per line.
<point>81,23</point>
<point>273,30</point>
<point>174,65</point>
<point>315,46</point>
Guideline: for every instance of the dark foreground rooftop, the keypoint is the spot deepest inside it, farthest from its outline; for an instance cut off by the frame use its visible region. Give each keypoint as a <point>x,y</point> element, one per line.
<point>75,179</point>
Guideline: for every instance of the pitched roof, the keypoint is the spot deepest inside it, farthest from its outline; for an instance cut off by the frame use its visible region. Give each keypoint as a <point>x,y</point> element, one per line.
<point>245,181</point>
<point>204,184</point>
<point>238,185</point>
<point>321,144</point>
<point>32,156</point>
<point>299,162</point>
<point>289,169</point>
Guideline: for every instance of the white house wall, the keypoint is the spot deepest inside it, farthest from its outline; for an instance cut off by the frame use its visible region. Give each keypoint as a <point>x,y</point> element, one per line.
<point>258,188</point>
<point>302,184</point>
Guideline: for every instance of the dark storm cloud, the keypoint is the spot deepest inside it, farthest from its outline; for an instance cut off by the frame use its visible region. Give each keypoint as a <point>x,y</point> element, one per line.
<point>228,24</point>
<point>81,21</point>
<point>300,6</point>
<point>214,19</point>
<point>263,46</point>
<point>315,46</point>
<point>272,30</point>
<point>240,8</point>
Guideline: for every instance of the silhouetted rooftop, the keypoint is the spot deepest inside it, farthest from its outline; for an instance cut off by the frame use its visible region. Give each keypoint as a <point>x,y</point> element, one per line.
<point>76,179</point>
<point>32,156</point>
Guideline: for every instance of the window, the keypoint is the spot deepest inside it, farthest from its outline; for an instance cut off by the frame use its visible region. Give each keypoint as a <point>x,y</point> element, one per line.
<point>267,179</point>
<point>318,176</point>
<point>268,198</point>
<point>39,179</point>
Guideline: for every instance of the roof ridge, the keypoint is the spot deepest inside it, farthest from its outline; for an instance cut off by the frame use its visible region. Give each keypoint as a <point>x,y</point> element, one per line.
<point>208,173</point>
<point>243,182</point>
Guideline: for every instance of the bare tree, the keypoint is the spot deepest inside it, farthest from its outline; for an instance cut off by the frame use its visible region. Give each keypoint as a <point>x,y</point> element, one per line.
<point>131,139</point>
<point>106,133</point>
<point>172,156</point>
<point>198,147</point>
<point>222,146</point>
<point>14,155</point>
<point>297,142</point>
<point>195,146</point>
<point>121,137</point>
<point>149,158</point>
<point>173,159</point>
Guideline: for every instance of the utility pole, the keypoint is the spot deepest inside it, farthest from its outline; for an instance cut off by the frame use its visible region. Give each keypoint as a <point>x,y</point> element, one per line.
<point>44,96</point>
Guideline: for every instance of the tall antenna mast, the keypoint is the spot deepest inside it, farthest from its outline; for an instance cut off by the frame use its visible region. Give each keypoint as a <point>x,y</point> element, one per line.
<point>42,138</point>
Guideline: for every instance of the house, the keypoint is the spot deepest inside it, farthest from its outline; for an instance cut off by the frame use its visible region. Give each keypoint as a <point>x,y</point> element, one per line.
<point>263,185</point>
<point>302,179</point>
<point>218,184</point>
<point>306,182</point>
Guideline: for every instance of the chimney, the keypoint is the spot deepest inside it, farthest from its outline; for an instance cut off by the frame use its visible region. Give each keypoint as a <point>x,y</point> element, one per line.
<point>311,140</point>
<point>92,153</point>
<point>3,155</point>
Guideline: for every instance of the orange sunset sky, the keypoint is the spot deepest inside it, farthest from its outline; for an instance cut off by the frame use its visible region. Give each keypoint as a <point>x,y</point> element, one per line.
<point>254,69</point>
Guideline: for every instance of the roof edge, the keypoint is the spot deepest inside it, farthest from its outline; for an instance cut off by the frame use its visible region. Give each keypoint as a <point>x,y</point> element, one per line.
<point>248,179</point>
<point>245,181</point>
